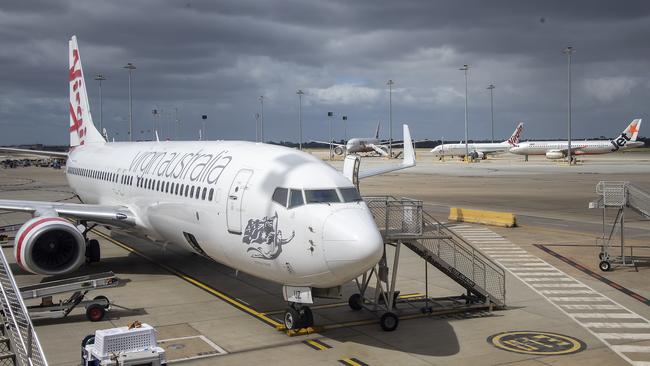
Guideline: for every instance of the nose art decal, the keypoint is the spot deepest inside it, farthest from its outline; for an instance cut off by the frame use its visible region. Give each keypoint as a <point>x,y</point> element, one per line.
<point>264,239</point>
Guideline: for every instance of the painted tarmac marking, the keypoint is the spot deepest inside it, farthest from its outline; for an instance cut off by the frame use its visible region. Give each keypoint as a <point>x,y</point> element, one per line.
<point>352,362</point>
<point>618,325</point>
<point>595,275</point>
<point>537,343</point>
<point>610,310</point>
<point>317,344</point>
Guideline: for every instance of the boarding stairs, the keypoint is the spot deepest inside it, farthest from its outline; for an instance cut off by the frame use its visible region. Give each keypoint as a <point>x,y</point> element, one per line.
<point>19,344</point>
<point>403,221</point>
<point>619,195</point>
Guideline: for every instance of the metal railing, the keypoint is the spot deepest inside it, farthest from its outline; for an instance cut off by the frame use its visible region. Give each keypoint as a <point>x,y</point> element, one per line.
<point>24,341</point>
<point>638,200</point>
<point>404,219</point>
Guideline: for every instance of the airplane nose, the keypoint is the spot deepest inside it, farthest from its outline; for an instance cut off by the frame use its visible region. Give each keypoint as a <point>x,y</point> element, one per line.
<point>352,242</point>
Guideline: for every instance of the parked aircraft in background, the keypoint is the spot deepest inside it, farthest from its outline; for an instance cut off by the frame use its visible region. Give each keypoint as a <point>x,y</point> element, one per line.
<point>363,145</point>
<point>559,149</point>
<point>479,150</point>
<point>271,211</point>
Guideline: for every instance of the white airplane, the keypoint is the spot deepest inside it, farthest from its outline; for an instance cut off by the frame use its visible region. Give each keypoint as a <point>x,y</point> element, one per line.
<point>479,150</point>
<point>363,145</point>
<point>270,211</point>
<point>559,149</point>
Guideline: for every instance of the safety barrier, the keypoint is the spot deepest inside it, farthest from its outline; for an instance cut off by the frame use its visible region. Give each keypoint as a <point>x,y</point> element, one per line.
<point>504,219</point>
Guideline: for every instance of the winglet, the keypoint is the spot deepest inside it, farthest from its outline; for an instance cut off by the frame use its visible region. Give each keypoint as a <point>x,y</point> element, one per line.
<point>407,161</point>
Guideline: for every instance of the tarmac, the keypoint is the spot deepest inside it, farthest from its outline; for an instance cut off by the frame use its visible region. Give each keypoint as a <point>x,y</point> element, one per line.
<point>208,314</point>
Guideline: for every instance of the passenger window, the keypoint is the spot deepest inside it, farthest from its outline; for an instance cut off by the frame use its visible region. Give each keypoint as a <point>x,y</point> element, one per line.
<point>167,187</point>
<point>187,189</point>
<point>192,192</point>
<point>295,198</point>
<point>205,191</point>
<point>280,196</point>
<point>211,194</point>
<point>350,194</point>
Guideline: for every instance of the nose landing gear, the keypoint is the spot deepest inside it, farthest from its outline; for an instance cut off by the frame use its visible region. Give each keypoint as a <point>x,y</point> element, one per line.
<point>298,316</point>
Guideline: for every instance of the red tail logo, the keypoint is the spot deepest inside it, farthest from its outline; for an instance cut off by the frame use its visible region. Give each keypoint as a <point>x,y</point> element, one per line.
<point>76,115</point>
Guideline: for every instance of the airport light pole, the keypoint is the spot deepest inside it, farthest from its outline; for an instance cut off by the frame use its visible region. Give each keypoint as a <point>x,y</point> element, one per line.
<point>300,94</point>
<point>204,118</point>
<point>390,84</point>
<point>465,68</point>
<point>129,66</point>
<point>569,51</point>
<point>261,99</point>
<point>491,89</point>
<point>257,127</point>
<point>154,112</point>
<point>100,78</point>
<point>345,128</point>
<point>330,115</point>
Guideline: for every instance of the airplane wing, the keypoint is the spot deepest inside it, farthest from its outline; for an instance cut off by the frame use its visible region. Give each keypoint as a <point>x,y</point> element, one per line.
<point>379,150</point>
<point>400,143</point>
<point>351,164</point>
<point>327,143</point>
<point>54,154</point>
<point>109,215</point>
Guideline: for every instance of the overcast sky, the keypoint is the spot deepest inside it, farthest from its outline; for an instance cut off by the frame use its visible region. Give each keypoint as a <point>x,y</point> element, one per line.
<point>218,57</point>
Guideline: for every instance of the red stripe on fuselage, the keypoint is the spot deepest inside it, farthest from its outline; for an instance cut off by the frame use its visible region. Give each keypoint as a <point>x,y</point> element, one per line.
<point>19,243</point>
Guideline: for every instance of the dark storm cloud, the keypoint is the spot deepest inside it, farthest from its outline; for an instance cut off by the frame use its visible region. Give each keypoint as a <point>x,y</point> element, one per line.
<point>215,58</point>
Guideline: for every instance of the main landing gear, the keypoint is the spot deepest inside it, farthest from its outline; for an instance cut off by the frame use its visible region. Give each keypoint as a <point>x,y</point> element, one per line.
<point>93,253</point>
<point>298,316</point>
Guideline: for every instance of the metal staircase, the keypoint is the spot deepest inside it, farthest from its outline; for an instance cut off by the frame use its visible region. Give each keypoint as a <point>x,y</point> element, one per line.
<point>619,195</point>
<point>19,344</point>
<point>403,221</point>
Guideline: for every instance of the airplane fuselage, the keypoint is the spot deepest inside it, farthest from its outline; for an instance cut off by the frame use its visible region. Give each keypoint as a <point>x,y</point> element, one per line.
<point>459,149</point>
<point>218,199</point>
<point>357,145</point>
<point>592,147</point>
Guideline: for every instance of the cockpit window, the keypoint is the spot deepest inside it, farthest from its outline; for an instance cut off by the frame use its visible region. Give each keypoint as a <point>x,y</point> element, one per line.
<point>322,196</point>
<point>350,194</point>
<point>280,196</point>
<point>295,198</point>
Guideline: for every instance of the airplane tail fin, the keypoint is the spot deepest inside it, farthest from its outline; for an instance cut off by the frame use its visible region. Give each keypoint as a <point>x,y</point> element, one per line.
<point>82,129</point>
<point>377,130</point>
<point>632,130</point>
<point>514,139</point>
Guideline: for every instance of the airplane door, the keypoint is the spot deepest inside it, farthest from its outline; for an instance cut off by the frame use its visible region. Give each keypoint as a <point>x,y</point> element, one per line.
<point>235,200</point>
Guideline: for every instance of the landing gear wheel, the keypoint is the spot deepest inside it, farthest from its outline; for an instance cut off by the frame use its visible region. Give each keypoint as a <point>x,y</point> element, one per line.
<point>102,297</point>
<point>95,312</point>
<point>356,302</point>
<point>92,251</point>
<point>605,266</point>
<point>292,319</point>
<point>389,322</point>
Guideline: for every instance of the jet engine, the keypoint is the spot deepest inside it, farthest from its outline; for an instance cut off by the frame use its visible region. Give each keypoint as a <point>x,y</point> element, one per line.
<point>49,246</point>
<point>555,154</point>
<point>338,150</point>
<point>477,155</point>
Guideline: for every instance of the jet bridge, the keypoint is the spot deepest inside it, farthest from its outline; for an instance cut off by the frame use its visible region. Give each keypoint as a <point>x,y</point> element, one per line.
<point>403,222</point>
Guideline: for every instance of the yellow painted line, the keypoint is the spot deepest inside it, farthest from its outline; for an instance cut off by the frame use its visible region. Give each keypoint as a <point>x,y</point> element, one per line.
<point>351,362</point>
<point>317,345</point>
<point>197,283</point>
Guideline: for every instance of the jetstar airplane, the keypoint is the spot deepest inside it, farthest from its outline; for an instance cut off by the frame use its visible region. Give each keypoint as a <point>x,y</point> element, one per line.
<point>273,212</point>
<point>363,145</point>
<point>479,150</point>
<point>559,149</point>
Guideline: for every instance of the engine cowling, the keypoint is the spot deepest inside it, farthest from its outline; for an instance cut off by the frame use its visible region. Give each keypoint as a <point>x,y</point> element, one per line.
<point>338,150</point>
<point>49,246</point>
<point>477,155</point>
<point>555,154</point>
